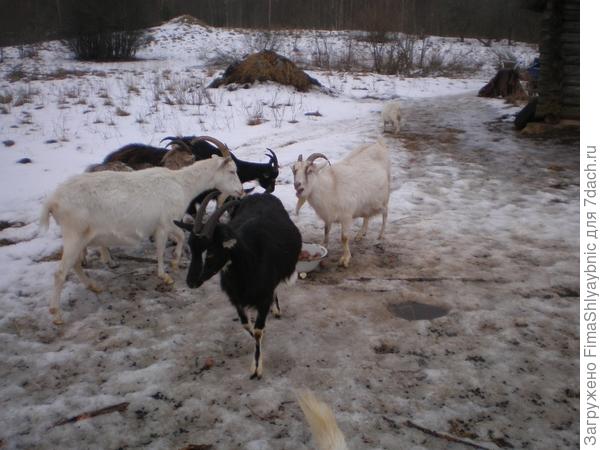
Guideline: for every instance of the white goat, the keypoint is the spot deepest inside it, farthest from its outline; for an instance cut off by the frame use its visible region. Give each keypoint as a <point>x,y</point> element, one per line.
<point>391,115</point>
<point>121,208</point>
<point>357,186</point>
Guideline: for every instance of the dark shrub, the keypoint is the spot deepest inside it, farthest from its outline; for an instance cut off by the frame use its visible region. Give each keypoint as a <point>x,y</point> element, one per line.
<point>106,30</point>
<point>107,45</point>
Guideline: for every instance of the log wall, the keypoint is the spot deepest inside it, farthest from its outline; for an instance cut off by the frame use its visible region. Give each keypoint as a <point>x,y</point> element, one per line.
<point>559,61</point>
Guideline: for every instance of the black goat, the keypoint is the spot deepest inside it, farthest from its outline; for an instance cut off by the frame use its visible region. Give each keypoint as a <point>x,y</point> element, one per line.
<point>137,156</point>
<point>256,251</point>
<point>265,173</point>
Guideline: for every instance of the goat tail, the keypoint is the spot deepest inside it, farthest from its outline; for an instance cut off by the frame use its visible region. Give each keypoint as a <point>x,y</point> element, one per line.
<point>45,216</point>
<point>322,422</point>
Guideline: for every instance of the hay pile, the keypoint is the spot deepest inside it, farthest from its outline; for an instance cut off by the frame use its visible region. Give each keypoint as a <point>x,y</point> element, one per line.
<point>266,66</point>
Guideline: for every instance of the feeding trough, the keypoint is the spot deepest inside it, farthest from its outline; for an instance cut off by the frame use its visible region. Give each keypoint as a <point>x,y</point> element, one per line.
<point>310,257</point>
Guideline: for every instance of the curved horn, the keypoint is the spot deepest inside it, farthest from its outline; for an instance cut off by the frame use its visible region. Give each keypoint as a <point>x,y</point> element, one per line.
<point>202,209</point>
<point>181,142</point>
<point>300,158</point>
<point>169,138</point>
<point>315,156</point>
<point>273,157</point>
<point>211,223</point>
<point>224,149</point>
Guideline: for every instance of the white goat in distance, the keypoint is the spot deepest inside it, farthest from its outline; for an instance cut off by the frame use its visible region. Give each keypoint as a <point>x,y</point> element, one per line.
<point>391,115</point>
<point>357,186</point>
<point>121,208</point>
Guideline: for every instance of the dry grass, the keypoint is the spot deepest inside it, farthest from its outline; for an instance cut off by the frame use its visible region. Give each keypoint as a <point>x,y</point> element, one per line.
<point>254,114</point>
<point>6,97</point>
<point>25,95</point>
<point>16,74</point>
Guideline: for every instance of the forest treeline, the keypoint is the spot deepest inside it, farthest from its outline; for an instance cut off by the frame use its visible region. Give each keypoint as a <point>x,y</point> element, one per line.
<point>27,21</point>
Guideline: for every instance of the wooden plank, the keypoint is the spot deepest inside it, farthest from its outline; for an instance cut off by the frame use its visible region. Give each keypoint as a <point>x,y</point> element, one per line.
<point>571,59</point>
<point>573,82</point>
<point>571,26</point>
<point>569,48</point>
<point>570,102</point>
<point>569,37</point>
<point>570,112</point>
<point>571,70</point>
<point>571,91</point>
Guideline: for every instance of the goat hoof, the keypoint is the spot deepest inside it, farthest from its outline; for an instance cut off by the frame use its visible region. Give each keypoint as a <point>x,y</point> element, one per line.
<point>344,262</point>
<point>56,319</point>
<point>114,265</point>
<point>167,279</point>
<point>255,376</point>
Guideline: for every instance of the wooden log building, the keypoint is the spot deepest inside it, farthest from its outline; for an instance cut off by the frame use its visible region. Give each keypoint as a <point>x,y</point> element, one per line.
<point>558,83</point>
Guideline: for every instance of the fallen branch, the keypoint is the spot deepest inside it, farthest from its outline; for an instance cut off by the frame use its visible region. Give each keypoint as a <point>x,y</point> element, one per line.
<point>136,259</point>
<point>254,413</point>
<point>197,447</point>
<point>445,436</point>
<point>88,415</point>
<point>430,279</point>
<point>270,418</point>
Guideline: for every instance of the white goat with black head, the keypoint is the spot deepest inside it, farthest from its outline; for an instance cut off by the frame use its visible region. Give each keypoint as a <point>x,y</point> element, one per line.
<point>357,186</point>
<point>122,208</point>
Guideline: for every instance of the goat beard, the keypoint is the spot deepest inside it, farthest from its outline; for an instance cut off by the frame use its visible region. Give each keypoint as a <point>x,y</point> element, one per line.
<point>299,204</point>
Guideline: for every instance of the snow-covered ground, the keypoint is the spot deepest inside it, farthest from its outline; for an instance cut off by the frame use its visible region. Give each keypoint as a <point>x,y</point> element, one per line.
<point>483,222</point>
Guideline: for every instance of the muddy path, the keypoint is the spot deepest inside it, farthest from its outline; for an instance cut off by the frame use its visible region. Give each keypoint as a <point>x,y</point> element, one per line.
<point>489,232</point>
<point>484,227</point>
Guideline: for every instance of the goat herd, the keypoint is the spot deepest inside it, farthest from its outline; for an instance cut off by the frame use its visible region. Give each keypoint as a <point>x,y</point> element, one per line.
<point>117,203</point>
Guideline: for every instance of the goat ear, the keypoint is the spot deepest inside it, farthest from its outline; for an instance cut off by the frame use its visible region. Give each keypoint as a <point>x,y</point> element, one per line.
<point>225,236</point>
<point>225,161</point>
<point>229,243</point>
<point>184,226</point>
